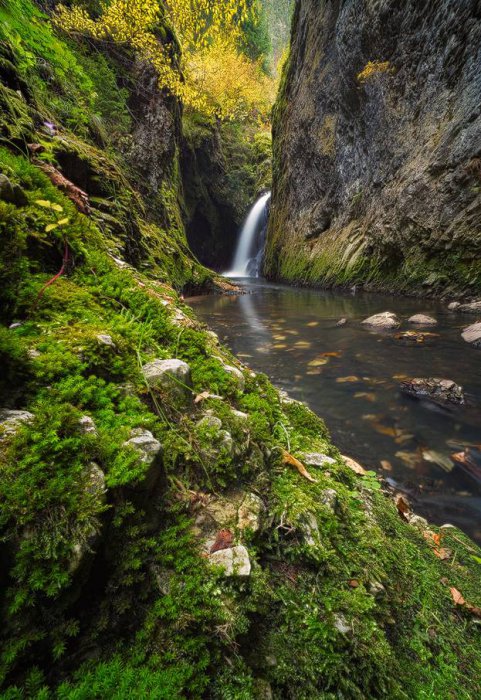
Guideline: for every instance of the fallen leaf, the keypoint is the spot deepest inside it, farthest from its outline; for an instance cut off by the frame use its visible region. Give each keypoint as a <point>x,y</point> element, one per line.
<point>385,430</point>
<point>386,465</point>
<point>353,583</point>
<point>367,395</point>
<point>312,324</point>
<point>443,553</point>
<point>223,540</point>
<point>331,354</point>
<point>344,380</point>
<point>409,458</point>
<point>289,459</point>
<point>303,344</point>
<point>318,362</point>
<point>456,596</point>
<point>403,507</point>
<point>202,396</point>
<point>438,458</point>
<point>355,466</point>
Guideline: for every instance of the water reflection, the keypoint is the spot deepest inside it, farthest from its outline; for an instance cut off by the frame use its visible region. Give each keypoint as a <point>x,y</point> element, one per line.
<point>350,376</point>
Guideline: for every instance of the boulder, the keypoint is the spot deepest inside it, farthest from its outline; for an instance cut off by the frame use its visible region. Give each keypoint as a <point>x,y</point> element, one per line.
<point>235,561</point>
<point>441,391</point>
<point>10,421</point>
<point>474,307</point>
<point>422,320</point>
<point>472,334</point>
<point>172,377</point>
<point>382,321</point>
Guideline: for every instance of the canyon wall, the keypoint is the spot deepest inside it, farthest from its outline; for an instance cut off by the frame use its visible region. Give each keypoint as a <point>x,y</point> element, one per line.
<point>377,145</point>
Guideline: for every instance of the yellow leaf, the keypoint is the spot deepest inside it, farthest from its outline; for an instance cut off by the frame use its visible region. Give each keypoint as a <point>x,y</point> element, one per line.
<point>56,207</point>
<point>50,227</point>
<point>63,222</point>
<point>43,203</point>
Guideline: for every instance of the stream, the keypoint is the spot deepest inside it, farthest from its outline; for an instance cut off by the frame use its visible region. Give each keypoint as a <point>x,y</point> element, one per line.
<point>350,376</point>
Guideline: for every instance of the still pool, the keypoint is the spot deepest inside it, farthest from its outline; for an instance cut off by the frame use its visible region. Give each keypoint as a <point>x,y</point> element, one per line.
<point>350,376</point>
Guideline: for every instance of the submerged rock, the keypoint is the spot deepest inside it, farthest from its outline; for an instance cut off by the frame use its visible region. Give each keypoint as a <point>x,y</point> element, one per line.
<point>422,320</point>
<point>173,377</point>
<point>454,305</point>
<point>443,391</point>
<point>385,320</point>
<point>472,334</point>
<point>235,561</point>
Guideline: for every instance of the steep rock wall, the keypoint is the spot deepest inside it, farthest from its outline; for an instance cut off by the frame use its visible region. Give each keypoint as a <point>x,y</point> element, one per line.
<point>377,144</point>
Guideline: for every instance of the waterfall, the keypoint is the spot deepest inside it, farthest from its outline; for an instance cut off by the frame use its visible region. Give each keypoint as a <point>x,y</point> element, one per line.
<point>248,256</point>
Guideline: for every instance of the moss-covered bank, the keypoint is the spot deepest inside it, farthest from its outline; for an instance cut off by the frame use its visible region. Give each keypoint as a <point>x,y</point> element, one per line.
<point>112,489</point>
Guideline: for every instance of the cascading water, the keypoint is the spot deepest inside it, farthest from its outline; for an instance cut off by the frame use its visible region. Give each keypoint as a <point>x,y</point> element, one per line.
<point>248,256</point>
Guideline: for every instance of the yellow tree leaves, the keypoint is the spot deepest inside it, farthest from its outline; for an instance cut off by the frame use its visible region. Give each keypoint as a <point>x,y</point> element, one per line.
<point>213,75</point>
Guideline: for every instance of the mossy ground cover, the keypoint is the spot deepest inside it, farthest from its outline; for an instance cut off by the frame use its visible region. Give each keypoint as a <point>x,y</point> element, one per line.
<point>105,593</point>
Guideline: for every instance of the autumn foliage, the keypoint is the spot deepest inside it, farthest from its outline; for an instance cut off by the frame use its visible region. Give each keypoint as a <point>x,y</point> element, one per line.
<point>212,74</point>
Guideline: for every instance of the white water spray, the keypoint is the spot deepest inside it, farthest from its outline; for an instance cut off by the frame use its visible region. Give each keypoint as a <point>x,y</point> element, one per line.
<point>245,253</point>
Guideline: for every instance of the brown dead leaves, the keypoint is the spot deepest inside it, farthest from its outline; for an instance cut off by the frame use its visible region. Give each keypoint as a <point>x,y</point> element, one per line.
<point>289,459</point>
<point>459,601</point>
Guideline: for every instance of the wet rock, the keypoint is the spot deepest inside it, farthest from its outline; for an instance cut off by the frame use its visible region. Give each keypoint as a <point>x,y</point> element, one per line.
<point>235,561</point>
<point>250,513</point>
<point>422,320</point>
<point>442,391</point>
<point>474,307</point>
<point>454,305</point>
<point>87,425</point>
<point>418,522</point>
<point>10,421</point>
<point>472,334</point>
<point>237,374</point>
<point>341,322</point>
<point>382,321</point>
<point>316,459</point>
<point>173,377</point>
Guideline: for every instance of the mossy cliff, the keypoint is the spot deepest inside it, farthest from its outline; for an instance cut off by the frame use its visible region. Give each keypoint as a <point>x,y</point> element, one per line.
<point>377,148</point>
<point>156,541</point>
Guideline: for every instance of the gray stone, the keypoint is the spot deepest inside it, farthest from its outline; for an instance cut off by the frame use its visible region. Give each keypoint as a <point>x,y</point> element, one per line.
<point>443,391</point>
<point>418,522</point>
<point>13,326</point>
<point>87,425</point>
<point>211,422</point>
<point>376,589</point>
<point>473,307</point>
<point>385,320</point>
<point>105,339</point>
<point>237,374</point>
<point>33,354</point>
<point>341,624</point>
<point>96,481</point>
<point>341,322</point>
<point>172,377</point>
<point>250,513</point>
<point>10,421</point>
<point>472,334</point>
<point>310,529</point>
<point>145,444</point>
<point>329,499</point>
<point>422,320</point>
<point>316,459</point>
<point>454,305</point>
<point>240,414</point>
<point>235,561</point>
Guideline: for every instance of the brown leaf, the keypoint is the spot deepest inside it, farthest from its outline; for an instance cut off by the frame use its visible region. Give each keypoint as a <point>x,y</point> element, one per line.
<point>202,396</point>
<point>386,465</point>
<point>353,583</point>
<point>224,540</point>
<point>456,596</point>
<point>289,459</point>
<point>355,466</point>
<point>403,507</point>
<point>350,379</point>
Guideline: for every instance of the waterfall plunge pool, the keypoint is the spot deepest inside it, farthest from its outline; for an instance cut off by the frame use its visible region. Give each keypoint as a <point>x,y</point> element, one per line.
<point>284,331</point>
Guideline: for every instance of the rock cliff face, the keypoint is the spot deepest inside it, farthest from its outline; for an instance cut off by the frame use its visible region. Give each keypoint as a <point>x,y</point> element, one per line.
<point>377,137</point>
